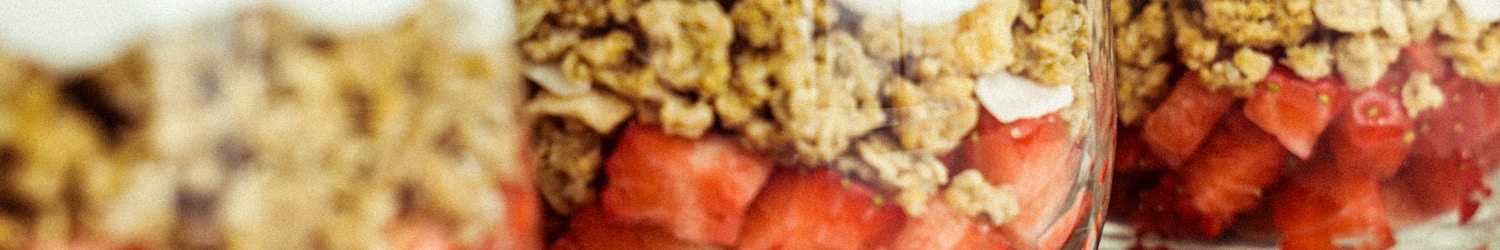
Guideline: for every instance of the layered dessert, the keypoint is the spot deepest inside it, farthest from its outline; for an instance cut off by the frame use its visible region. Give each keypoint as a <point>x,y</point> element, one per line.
<point>1333,124</point>
<point>800,124</point>
<point>263,125</point>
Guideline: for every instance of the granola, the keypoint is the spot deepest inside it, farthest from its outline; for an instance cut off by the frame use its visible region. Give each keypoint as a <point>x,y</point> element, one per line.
<point>268,128</point>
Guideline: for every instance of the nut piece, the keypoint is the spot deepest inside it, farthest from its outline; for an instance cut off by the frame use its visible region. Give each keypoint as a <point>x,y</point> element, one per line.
<point>1363,58</point>
<point>1349,16</point>
<point>599,110</point>
<point>1419,94</point>
<point>935,116</point>
<point>972,195</point>
<point>1311,60</point>
<point>1240,73</point>
<point>915,176</point>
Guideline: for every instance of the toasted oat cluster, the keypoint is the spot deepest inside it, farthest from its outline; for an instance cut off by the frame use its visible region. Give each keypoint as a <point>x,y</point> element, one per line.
<point>262,132</point>
<point>1355,40</point>
<point>848,85</point>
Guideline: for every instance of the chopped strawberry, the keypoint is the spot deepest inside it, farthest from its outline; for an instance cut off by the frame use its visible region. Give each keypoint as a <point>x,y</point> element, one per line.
<point>523,219</point>
<point>1128,188</point>
<point>1294,110</point>
<point>1423,57</point>
<point>1372,136</point>
<point>942,227</point>
<point>1181,122</point>
<point>1463,123</point>
<point>698,189</point>
<point>818,210</point>
<point>591,228</point>
<point>1423,189</point>
<point>1131,153</point>
<point>1032,155</point>
<point>1224,179</point>
<point>1321,209</point>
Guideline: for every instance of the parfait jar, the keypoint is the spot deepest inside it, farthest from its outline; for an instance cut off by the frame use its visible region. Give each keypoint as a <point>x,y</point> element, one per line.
<point>820,124</point>
<point>1349,124</point>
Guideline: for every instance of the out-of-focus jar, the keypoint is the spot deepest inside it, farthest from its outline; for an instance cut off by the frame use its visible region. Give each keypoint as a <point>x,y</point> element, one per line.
<point>1300,124</point>
<point>817,124</point>
<point>284,124</point>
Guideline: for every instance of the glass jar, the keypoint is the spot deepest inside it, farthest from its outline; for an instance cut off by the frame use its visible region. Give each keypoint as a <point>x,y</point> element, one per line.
<point>263,124</point>
<point>819,124</point>
<point>1306,124</point>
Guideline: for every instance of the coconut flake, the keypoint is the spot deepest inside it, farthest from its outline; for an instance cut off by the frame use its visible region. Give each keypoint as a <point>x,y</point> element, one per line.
<point>550,77</point>
<point>1010,98</point>
<point>1484,11</point>
<point>345,16</point>
<point>70,35</point>
<point>483,24</point>
<point>913,12</point>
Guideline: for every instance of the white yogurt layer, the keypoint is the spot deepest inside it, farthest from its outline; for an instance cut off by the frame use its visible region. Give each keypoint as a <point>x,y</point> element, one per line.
<point>1010,98</point>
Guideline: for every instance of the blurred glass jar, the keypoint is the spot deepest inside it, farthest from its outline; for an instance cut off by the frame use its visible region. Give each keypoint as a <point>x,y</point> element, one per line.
<point>263,124</point>
<point>1307,124</point>
<point>940,124</point>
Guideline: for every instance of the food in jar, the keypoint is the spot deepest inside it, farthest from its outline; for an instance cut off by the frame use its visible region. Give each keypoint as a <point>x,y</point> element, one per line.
<point>1348,120</point>
<point>263,124</point>
<point>809,124</point>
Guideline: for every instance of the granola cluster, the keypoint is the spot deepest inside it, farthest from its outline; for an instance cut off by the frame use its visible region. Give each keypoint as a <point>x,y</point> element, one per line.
<point>839,84</point>
<point>263,134</point>
<point>1232,44</point>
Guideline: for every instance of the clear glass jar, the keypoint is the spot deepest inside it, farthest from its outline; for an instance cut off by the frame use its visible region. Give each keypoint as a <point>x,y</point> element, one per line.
<point>831,124</point>
<point>1307,124</point>
<point>263,124</point>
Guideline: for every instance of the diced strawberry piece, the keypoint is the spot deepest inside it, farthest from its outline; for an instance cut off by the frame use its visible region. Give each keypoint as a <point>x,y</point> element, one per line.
<point>818,210</point>
<point>1423,57</point>
<point>1131,153</point>
<point>1128,188</point>
<point>592,228</point>
<point>942,227</point>
<point>1424,188</point>
<point>698,189</point>
<point>1321,209</point>
<point>522,227</point>
<point>1032,155</point>
<point>1224,179</point>
<point>1372,136</point>
<point>1472,170</point>
<point>1295,110</point>
<point>1468,119</point>
<point>523,219</point>
<point>1181,122</point>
